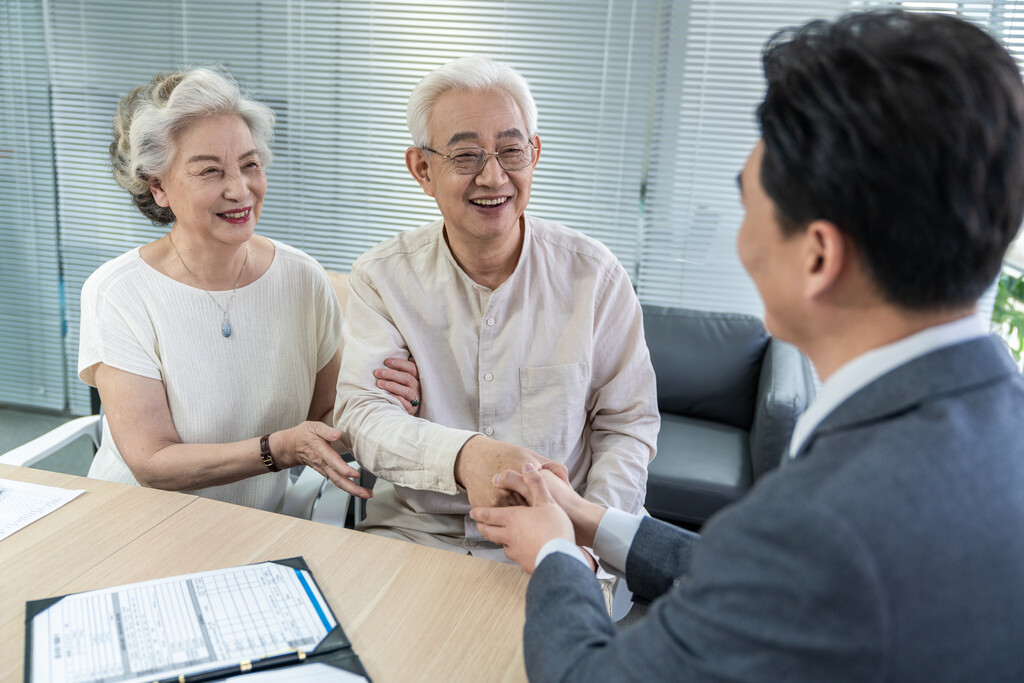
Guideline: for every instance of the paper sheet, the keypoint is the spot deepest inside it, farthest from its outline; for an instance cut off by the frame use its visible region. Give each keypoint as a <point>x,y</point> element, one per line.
<point>179,625</point>
<point>307,673</point>
<point>21,503</point>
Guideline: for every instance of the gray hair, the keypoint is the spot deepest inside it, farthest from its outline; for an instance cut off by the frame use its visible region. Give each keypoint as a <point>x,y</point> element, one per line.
<point>474,73</point>
<point>149,118</point>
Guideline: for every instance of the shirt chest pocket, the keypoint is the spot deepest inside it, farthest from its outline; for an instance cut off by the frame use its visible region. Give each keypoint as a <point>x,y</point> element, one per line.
<point>553,405</point>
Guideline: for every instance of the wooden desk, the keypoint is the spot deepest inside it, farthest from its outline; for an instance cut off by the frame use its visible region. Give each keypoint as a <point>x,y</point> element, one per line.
<point>412,613</point>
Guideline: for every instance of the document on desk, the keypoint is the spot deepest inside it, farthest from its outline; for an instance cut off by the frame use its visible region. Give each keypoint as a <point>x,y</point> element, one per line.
<point>22,503</point>
<point>182,625</point>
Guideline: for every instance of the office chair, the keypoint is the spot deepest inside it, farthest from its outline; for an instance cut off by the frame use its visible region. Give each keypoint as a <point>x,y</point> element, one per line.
<point>57,438</point>
<point>312,496</point>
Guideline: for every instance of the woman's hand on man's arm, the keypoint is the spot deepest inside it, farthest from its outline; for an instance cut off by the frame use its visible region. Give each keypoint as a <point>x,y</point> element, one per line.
<point>401,379</point>
<point>398,377</point>
<point>309,444</point>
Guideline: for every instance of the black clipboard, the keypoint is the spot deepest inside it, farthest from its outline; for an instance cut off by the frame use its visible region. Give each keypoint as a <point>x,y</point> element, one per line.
<point>334,650</point>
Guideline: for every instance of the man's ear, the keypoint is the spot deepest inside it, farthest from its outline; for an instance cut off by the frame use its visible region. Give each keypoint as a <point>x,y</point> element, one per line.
<point>416,162</point>
<point>159,195</point>
<point>536,152</point>
<point>827,258</point>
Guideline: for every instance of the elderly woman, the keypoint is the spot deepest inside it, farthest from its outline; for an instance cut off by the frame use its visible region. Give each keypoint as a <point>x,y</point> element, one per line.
<point>215,351</point>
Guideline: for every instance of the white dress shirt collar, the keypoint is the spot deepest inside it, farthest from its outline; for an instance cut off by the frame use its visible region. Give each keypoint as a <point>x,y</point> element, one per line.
<point>867,367</point>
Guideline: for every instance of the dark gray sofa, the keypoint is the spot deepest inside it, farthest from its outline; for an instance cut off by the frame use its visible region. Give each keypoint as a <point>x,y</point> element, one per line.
<point>729,395</point>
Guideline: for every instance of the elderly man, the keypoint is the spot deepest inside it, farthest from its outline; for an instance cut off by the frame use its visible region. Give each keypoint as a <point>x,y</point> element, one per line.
<point>888,183</point>
<point>527,335</point>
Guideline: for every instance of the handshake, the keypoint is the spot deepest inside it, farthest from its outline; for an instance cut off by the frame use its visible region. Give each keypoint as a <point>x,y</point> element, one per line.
<point>523,510</point>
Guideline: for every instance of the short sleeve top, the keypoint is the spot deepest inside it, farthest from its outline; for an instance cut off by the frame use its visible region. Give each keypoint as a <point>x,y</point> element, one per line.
<point>285,327</point>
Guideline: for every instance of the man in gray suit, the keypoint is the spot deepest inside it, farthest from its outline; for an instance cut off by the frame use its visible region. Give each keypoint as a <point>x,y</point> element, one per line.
<point>885,189</point>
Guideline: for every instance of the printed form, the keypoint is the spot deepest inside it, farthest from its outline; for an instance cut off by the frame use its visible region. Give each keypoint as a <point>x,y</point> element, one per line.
<point>22,503</point>
<point>179,625</point>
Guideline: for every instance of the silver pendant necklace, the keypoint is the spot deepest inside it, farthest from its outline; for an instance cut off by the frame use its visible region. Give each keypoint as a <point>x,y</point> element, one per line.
<point>225,324</point>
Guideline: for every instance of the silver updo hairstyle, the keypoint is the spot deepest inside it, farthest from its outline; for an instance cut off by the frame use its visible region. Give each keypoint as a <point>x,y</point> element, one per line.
<point>149,118</point>
<point>474,73</point>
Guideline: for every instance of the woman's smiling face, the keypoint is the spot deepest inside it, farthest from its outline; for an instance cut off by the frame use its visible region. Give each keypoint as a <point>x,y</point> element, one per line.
<point>216,183</point>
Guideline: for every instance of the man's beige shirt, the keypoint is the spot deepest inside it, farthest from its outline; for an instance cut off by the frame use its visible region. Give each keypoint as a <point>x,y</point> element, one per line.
<point>554,359</point>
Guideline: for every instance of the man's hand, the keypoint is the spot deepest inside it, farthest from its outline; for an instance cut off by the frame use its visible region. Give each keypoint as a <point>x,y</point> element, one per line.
<point>524,530</point>
<point>584,515</point>
<point>480,460</point>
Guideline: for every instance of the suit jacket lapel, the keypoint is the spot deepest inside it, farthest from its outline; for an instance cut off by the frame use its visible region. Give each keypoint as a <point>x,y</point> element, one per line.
<point>948,370</point>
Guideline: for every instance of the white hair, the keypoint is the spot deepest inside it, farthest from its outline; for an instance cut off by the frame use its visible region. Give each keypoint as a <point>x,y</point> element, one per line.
<point>150,116</point>
<point>474,73</point>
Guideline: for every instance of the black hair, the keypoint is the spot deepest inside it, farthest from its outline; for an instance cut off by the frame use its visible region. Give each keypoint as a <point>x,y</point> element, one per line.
<point>907,132</point>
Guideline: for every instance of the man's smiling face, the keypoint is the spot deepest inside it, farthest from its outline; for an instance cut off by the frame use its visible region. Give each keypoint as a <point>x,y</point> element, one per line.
<point>487,205</point>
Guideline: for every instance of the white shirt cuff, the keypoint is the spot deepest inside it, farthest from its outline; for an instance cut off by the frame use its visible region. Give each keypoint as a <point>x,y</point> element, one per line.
<point>614,536</point>
<point>560,545</point>
<point>438,473</point>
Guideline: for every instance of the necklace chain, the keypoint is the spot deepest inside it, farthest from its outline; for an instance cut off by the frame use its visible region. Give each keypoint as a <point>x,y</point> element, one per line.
<point>225,324</point>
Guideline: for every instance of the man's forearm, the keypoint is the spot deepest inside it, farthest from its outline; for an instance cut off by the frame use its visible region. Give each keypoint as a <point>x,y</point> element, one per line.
<point>609,532</point>
<point>396,446</point>
<point>586,518</point>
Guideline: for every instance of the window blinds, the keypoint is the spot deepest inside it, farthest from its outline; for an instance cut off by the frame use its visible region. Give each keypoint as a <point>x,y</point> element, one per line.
<point>31,354</point>
<point>646,115</point>
<point>710,84</point>
<point>338,75</point>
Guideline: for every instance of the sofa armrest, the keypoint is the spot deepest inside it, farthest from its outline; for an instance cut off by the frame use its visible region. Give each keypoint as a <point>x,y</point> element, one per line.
<point>785,388</point>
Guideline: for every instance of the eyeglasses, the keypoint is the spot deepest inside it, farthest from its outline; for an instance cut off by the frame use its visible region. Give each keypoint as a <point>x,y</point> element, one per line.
<point>471,160</point>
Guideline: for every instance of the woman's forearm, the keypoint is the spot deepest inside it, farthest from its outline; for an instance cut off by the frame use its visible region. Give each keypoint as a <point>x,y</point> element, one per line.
<point>185,467</point>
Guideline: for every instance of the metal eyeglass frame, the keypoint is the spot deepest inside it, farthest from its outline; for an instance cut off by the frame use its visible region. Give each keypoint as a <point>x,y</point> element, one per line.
<point>483,163</point>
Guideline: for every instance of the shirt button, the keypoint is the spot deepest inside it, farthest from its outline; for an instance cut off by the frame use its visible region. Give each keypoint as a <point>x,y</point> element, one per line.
<point>488,430</point>
<point>490,322</point>
<point>488,377</point>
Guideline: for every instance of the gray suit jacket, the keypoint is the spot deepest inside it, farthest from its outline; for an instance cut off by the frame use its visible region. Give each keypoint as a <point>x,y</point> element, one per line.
<point>892,548</point>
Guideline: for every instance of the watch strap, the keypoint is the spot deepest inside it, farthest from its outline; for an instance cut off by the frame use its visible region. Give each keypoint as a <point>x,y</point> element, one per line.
<point>265,455</point>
